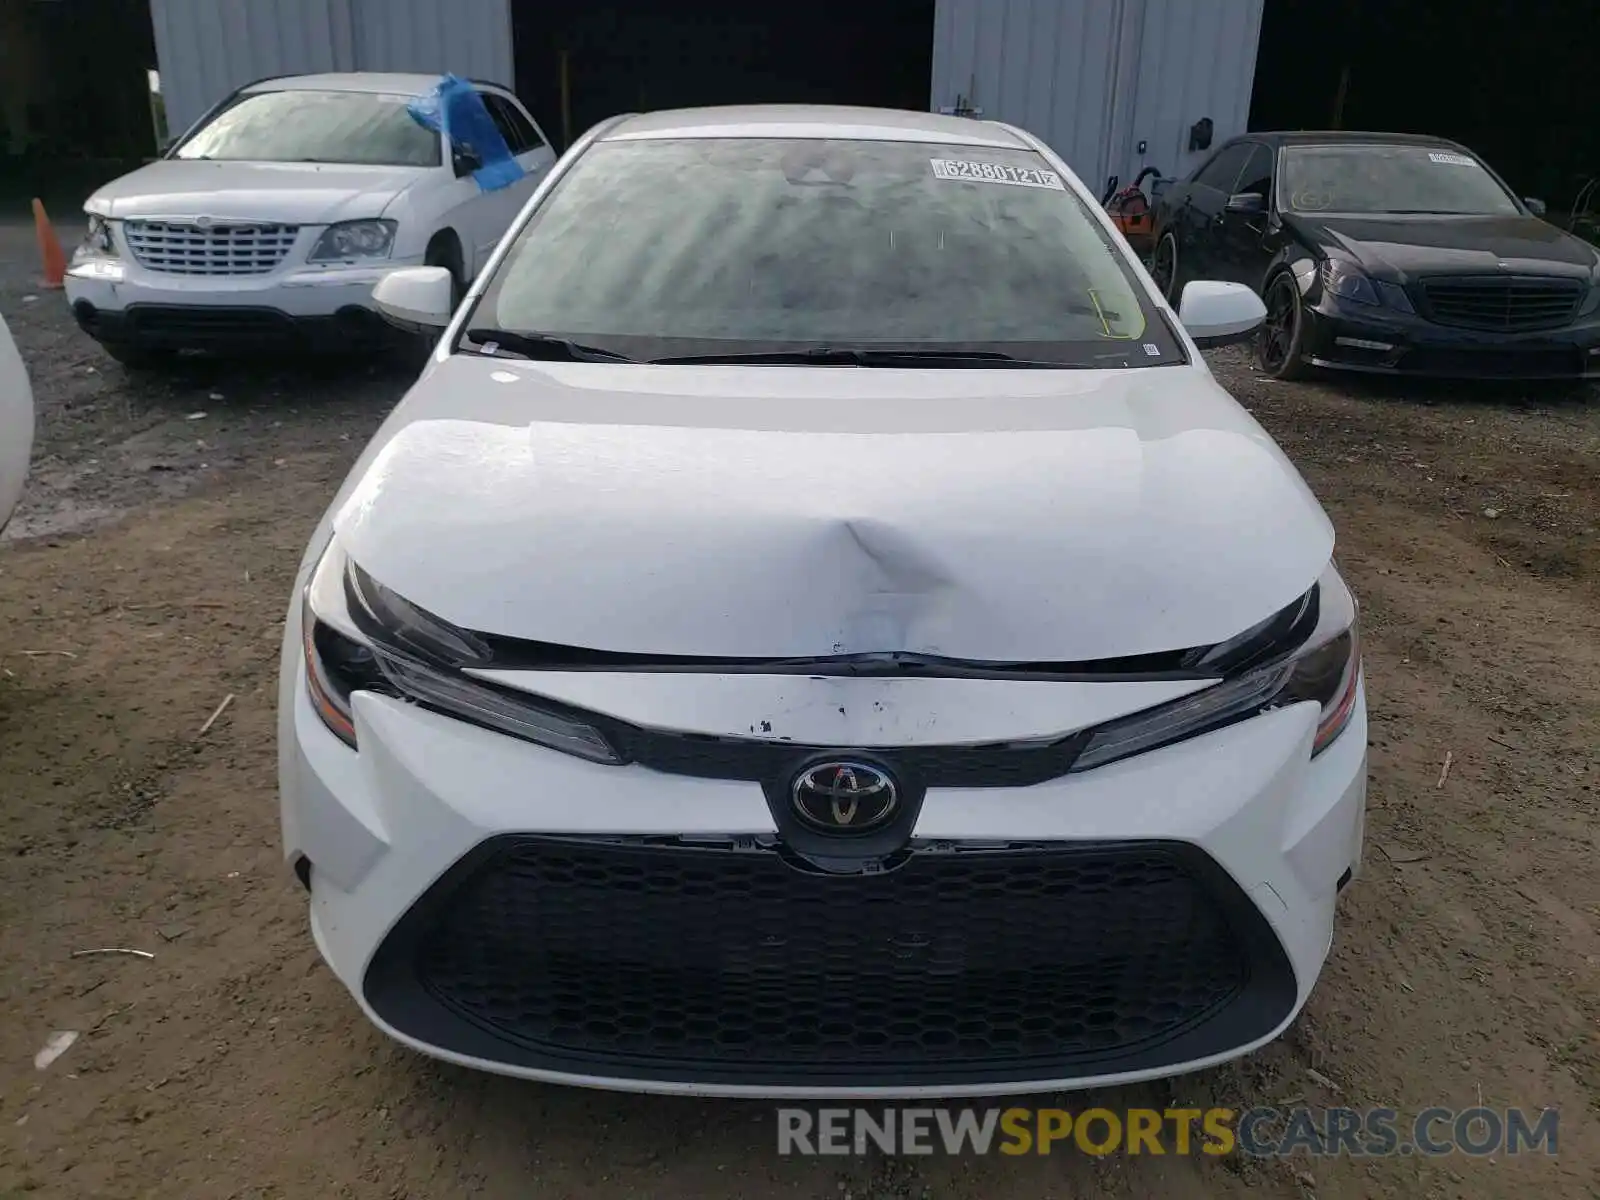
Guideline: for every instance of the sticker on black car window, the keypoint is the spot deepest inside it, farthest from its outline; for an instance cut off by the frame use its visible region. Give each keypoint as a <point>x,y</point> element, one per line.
<point>982,172</point>
<point>1454,160</point>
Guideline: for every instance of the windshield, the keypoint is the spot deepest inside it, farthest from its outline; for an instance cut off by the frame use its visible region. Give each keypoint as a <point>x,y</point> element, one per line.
<point>678,248</point>
<point>1367,178</point>
<point>359,128</point>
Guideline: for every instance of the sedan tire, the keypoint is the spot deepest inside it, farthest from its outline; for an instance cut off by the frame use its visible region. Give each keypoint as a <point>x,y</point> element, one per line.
<point>1280,344</point>
<point>1164,265</point>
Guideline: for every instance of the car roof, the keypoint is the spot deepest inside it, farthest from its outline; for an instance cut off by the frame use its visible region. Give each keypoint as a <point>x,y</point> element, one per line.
<point>1334,137</point>
<point>814,121</point>
<point>393,83</point>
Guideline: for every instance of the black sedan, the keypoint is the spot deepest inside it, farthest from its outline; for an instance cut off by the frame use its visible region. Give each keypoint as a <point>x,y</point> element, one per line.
<point>1384,252</point>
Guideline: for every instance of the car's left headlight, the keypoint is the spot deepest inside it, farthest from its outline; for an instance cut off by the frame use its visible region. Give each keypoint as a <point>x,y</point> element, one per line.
<point>351,241</point>
<point>1325,669</point>
<point>358,635</point>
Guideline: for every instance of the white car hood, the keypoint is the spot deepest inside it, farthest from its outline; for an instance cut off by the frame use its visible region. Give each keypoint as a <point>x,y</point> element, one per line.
<point>292,193</point>
<point>1013,515</point>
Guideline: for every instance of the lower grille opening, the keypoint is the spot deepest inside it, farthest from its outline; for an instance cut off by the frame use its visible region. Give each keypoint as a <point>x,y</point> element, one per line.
<point>728,964</point>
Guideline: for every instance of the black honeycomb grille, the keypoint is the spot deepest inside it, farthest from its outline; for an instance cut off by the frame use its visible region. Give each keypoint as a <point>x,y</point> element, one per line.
<point>731,964</point>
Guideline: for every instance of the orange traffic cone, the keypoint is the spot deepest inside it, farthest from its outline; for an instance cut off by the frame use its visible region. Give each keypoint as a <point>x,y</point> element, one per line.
<point>55,261</point>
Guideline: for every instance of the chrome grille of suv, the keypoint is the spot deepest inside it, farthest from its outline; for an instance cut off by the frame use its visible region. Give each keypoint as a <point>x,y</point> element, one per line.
<point>1505,302</point>
<point>184,248</point>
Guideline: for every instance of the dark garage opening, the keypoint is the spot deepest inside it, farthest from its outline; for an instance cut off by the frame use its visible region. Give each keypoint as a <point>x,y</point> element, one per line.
<point>639,55</point>
<point>1513,81</point>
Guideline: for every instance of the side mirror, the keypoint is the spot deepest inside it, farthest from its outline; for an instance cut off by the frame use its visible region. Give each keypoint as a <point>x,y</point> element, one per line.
<point>466,160</point>
<point>1219,314</point>
<point>1537,207</point>
<point>416,299</point>
<point>1250,203</point>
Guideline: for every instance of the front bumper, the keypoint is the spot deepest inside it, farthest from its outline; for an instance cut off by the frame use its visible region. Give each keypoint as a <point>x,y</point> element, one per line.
<point>1368,338</point>
<point>520,911</point>
<point>320,307</point>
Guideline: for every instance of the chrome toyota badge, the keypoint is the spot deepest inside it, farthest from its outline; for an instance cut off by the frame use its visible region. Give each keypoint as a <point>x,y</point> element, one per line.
<point>844,797</point>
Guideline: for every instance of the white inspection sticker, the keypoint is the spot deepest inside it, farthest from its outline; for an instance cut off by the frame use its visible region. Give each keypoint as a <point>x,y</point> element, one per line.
<point>982,172</point>
<point>1455,160</point>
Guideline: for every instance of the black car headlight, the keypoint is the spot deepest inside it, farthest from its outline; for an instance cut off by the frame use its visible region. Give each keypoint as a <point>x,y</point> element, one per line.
<point>1324,669</point>
<point>358,635</point>
<point>1349,282</point>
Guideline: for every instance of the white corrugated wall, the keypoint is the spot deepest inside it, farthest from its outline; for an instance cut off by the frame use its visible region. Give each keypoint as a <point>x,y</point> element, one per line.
<point>1197,59</point>
<point>1094,78</point>
<point>206,48</point>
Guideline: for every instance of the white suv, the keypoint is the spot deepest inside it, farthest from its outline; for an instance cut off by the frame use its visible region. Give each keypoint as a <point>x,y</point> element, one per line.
<point>272,218</point>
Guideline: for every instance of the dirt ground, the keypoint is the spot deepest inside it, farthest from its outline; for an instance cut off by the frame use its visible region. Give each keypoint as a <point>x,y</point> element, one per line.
<point>146,578</point>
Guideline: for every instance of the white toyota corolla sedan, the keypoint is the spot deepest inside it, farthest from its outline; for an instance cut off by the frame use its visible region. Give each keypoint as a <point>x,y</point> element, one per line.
<point>817,628</point>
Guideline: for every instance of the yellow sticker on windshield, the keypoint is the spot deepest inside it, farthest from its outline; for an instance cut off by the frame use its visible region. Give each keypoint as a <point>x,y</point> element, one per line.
<point>982,172</point>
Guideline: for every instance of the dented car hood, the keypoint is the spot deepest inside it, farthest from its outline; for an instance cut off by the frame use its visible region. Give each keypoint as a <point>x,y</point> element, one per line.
<point>750,511</point>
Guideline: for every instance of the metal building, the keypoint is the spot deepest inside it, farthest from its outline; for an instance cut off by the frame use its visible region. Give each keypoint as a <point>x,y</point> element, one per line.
<point>1112,85</point>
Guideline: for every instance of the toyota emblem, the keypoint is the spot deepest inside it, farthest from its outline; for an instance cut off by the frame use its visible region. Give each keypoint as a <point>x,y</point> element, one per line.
<point>844,797</point>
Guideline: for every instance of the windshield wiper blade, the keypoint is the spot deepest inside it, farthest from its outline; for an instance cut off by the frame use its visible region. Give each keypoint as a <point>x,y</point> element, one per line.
<point>500,343</point>
<point>845,356</point>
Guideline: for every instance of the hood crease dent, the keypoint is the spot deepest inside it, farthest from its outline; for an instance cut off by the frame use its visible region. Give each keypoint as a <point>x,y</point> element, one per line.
<point>757,512</point>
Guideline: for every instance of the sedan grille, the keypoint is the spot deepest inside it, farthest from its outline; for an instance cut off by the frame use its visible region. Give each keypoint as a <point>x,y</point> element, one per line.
<point>661,959</point>
<point>184,248</point>
<point>1510,302</point>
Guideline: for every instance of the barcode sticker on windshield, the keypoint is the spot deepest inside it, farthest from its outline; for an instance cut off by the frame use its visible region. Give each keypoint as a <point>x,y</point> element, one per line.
<point>982,172</point>
<point>1455,160</point>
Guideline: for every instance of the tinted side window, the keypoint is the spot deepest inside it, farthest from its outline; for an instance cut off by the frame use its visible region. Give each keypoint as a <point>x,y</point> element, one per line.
<point>497,113</point>
<point>1257,174</point>
<point>526,130</point>
<point>1221,172</point>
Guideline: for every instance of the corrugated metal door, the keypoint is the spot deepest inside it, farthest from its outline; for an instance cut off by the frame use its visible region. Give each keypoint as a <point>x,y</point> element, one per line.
<point>206,48</point>
<point>1052,67</point>
<point>470,37</point>
<point>1095,78</point>
<point>1197,59</point>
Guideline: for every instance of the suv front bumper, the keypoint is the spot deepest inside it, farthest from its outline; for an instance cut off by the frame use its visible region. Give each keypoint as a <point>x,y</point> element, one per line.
<point>325,308</point>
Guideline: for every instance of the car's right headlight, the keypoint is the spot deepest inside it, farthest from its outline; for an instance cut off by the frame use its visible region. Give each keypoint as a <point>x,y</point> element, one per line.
<point>358,635</point>
<point>98,240</point>
<point>1591,302</point>
<point>1324,668</point>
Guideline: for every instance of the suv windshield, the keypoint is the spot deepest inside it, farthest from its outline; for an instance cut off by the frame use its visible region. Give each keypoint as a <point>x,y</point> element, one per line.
<point>360,128</point>
<point>724,246</point>
<point>1367,178</point>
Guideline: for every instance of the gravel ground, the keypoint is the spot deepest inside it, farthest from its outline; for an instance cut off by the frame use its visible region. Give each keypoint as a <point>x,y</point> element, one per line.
<point>146,578</point>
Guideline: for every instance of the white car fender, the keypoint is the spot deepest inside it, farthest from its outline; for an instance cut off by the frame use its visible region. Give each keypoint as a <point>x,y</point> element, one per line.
<point>16,424</point>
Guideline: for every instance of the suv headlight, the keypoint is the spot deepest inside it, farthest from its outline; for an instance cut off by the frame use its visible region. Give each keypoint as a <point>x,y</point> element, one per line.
<point>98,240</point>
<point>349,241</point>
<point>1591,302</point>
<point>1324,669</point>
<point>358,635</point>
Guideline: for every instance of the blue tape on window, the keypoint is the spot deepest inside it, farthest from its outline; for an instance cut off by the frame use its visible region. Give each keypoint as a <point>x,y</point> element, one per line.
<point>455,109</point>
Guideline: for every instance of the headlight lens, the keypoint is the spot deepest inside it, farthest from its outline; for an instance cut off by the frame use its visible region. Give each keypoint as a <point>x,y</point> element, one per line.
<point>1348,282</point>
<point>1325,669</point>
<point>359,635</point>
<point>98,241</point>
<point>351,240</point>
